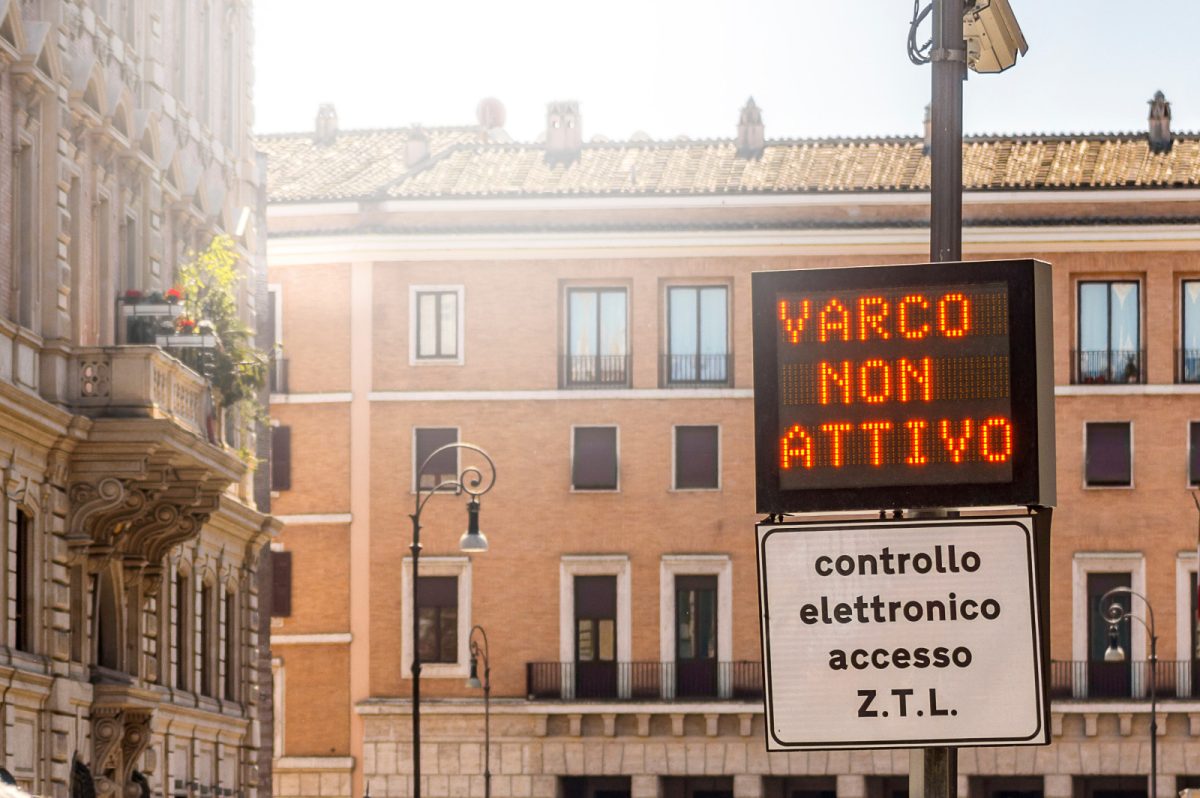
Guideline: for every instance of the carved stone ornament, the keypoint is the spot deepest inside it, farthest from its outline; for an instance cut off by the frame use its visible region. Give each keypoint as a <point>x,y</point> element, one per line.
<point>119,736</point>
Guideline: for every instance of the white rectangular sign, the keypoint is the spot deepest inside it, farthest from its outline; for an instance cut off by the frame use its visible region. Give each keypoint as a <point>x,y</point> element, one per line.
<point>894,634</point>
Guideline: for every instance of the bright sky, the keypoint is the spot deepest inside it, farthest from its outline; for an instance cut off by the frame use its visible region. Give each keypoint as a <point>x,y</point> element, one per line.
<point>671,67</point>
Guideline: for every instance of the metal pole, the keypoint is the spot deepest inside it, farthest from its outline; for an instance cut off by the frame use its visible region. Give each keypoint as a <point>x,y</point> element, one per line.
<point>949,58</point>
<point>416,662</point>
<point>1153,714</point>
<point>487,724</point>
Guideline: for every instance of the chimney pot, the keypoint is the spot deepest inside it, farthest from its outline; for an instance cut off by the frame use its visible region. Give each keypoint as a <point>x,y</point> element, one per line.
<point>1160,123</point>
<point>564,132</point>
<point>327,124</point>
<point>416,147</point>
<point>751,135</point>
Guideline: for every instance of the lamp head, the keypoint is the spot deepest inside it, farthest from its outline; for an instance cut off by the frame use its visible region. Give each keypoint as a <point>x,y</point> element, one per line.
<point>1114,652</point>
<point>473,539</point>
<point>473,679</point>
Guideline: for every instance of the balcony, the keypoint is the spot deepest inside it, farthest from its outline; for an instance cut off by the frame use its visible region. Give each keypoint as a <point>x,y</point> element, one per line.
<point>140,382</point>
<point>1187,365</point>
<point>644,681</point>
<point>593,371</point>
<point>1108,367</point>
<point>1087,680</point>
<point>695,371</point>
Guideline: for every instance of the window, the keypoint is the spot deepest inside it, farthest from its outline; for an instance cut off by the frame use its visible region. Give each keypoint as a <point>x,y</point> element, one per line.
<point>697,336</point>
<point>1108,454</point>
<point>594,458</point>
<point>596,636</point>
<point>441,468</point>
<point>697,463</point>
<point>131,271</point>
<point>1194,453</point>
<point>696,635</point>
<point>437,618</point>
<point>21,569</point>
<point>437,322</point>
<point>596,338</point>
<point>24,184</point>
<point>1107,679</point>
<point>277,377</point>
<point>1189,322</point>
<point>230,649</point>
<point>207,652</point>
<point>281,584</point>
<point>183,630</point>
<point>281,458</point>
<point>1109,333</point>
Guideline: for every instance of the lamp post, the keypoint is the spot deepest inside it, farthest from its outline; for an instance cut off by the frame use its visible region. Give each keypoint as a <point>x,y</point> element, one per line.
<point>481,652</point>
<point>469,480</point>
<point>1114,613</point>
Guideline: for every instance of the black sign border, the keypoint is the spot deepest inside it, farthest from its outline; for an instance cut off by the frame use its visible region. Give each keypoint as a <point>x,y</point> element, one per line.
<point>1037,615</point>
<point>1028,311</point>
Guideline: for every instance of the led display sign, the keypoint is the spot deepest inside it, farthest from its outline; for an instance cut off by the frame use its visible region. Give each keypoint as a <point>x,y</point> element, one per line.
<point>904,386</point>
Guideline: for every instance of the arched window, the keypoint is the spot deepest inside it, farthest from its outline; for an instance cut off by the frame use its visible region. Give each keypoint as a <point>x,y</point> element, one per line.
<point>183,627</point>
<point>21,569</point>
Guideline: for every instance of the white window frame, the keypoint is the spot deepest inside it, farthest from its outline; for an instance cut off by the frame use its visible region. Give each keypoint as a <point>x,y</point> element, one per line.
<point>1132,456</point>
<point>573,565</point>
<point>278,704</point>
<point>1110,562</point>
<point>457,566</point>
<point>416,465</point>
<point>414,291</point>
<point>718,565</point>
<point>571,467</point>
<point>675,461</point>
<point>666,319</point>
<point>1185,565</point>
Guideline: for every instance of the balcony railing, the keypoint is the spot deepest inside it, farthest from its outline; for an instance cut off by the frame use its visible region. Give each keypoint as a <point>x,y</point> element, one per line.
<point>593,371</point>
<point>140,381</point>
<point>695,371</point>
<point>644,681</point>
<point>1187,365</point>
<point>1097,679</point>
<point>1107,366</point>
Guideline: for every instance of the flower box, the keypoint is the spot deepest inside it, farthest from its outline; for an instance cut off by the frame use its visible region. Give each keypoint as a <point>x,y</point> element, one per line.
<point>155,309</point>
<point>184,341</point>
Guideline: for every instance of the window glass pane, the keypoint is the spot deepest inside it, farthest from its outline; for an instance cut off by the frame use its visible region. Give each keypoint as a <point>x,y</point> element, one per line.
<point>442,467</point>
<point>706,624</point>
<point>1108,454</point>
<point>585,650</point>
<point>437,591</point>
<point>1098,629</point>
<point>685,612</point>
<point>427,633</point>
<point>696,457</point>
<point>606,644</point>
<point>426,325</point>
<point>1093,317</point>
<point>682,311</point>
<point>449,319</point>
<point>448,623</point>
<point>1191,317</point>
<point>1125,335</point>
<point>612,323</point>
<point>1194,453</point>
<point>595,466</point>
<point>712,321</point>
<point>582,323</point>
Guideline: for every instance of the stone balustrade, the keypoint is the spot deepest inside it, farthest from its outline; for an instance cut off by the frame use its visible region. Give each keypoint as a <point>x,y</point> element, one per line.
<point>139,382</point>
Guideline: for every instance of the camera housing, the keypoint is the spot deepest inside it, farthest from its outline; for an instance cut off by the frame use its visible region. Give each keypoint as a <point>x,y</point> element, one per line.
<point>993,36</point>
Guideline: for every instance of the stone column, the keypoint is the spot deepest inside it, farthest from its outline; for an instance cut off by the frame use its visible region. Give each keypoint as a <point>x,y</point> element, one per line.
<point>1055,785</point>
<point>645,787</point>
<point>749,785</point>
<point>851,787</point>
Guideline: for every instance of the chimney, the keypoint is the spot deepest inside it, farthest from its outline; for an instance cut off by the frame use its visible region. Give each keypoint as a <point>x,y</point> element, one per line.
<point>416,147</point>
<point>564,132</point>
<point>750,135</point>
<point>928,131</point>
<point>1160,123</point>
<point>326,131</point>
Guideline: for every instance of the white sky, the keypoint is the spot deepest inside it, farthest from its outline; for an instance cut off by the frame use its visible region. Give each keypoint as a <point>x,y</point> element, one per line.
<point>671,67</point>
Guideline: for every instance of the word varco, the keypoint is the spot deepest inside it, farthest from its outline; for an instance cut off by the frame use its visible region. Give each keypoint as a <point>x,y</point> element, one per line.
<point>912,443</point>
<point>913,318</point>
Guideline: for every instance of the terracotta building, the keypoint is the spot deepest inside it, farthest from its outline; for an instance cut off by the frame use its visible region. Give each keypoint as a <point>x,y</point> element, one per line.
<point>129,653</point>
<point>581,311</point>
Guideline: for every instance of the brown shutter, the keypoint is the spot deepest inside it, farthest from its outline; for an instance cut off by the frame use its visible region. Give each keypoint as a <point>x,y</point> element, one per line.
<point>595,466</point>
<point>1108,460</point>
<point>696,457</point>
<point>281,584</point>
<point>281,458</point>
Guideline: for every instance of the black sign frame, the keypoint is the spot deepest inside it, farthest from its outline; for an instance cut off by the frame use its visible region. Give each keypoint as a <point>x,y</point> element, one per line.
<point>1030,325</point>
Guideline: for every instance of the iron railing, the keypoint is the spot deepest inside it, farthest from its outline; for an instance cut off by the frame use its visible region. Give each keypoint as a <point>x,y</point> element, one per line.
<point>695,371</point>
<point>593,371</point>
<point>644,681</point>
<point>1187,365</point>
<point>1106,366</point>
<point>1097,679</point>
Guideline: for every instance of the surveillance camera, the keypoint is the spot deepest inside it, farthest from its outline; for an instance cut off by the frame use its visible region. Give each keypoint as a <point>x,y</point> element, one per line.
<point>993,36</point>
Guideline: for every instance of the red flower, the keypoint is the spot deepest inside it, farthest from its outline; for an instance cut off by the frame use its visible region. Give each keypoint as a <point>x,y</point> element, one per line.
<point>133,293</point>
<point>172,295</point>
<point>185,325</point>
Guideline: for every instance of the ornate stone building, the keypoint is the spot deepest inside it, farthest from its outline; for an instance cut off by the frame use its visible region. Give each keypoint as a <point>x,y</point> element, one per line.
<point>581,310</point>
<point>131,539</point>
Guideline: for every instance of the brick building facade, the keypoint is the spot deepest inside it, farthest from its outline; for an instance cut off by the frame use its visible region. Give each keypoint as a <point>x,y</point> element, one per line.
<point>581,311</point>
<point>131,539</point>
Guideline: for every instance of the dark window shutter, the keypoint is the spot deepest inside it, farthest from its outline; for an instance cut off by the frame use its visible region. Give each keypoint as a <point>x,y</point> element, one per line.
<point>281,458</point>
<point>1194,454</point>
<point>281,584</point>
<point>437,591</point>
<point>696,457</point>
<point>595,466</point>
<point>1108,456</point>
<point>595,597</point>
<point>442,467</point>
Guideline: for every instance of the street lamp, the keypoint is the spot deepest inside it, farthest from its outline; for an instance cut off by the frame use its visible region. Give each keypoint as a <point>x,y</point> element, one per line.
<point>481,652</point>
<point>1114,613</point>
<point>470,481</point>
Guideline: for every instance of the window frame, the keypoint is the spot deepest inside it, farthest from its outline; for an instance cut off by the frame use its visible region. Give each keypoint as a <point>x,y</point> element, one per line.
<point>1132,457</point>
<point>616,456</point>
<point>230,651</point>
<point>22,600</point>
<point>675,459</point>
<point>1086,562</point>
<point>1185,619</point>
<point>1140,348</point>
<point>414,325</point>
<point>1187,471</point>
<point>417,460</point>
<point>441,627</point>
<point>672,565</point>
<point>572,565</point>
<point>567,353</point>
<point>183,643</point>
<point>459,566</point>
<point>1181,356</point>
<point>665,378</point>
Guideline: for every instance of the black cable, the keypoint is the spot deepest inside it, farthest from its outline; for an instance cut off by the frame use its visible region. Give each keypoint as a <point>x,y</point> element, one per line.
<point>919,55</point>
